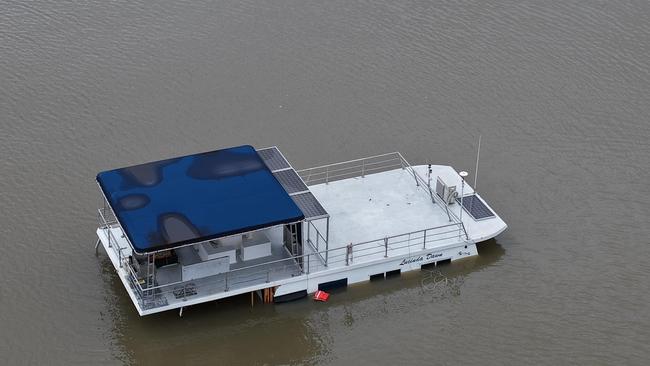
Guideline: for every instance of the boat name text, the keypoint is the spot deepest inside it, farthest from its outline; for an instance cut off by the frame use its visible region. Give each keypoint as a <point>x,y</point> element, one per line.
<point>420,258</point>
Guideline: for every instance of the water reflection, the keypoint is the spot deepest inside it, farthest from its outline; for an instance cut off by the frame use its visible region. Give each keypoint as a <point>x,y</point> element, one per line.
<point>231,332</point>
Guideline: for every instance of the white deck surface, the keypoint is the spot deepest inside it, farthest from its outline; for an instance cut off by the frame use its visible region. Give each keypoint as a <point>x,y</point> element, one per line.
<point>390,203</point>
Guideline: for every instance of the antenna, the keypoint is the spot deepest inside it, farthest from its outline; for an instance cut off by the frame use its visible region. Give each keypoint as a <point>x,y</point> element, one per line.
<point>478,155</point>
<point>463,174</point>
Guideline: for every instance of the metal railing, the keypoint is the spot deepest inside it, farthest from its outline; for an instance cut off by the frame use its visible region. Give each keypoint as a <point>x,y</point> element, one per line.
<point>427,187</point>
<point>261,275</point>
<point>405,243</point>
<point>352,168</point>
<point>312,231</point>
<point>435,198</point>
<point>106,224</point>
<point>370,165</point>
<point>108,221</point>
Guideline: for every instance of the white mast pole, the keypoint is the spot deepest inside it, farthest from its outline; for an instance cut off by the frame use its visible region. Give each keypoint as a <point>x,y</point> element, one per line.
<point>463,175</point>
<point>478,155</point>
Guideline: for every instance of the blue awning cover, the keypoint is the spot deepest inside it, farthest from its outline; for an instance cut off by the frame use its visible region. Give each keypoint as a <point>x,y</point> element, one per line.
<point>174,202</point>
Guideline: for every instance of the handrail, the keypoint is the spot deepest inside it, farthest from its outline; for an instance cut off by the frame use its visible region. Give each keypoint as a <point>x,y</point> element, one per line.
<point>346,162</point>
<point>305,257</point>
<point>326,173</point>
<point>356,166</point>
<point>122,261</point>
<point>351,168</point>
<point>319,237</point>
<point>452,216</point>
<point>109,234</point>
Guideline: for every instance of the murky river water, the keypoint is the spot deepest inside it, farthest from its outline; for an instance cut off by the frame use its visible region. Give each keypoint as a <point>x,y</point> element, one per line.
<point>559,90</point>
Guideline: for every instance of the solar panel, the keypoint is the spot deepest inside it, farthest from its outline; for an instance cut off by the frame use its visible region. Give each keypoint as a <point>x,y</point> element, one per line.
<point>290,181</point>
<point>475,207</point>
<point>309,205</point>
<point>273,159</point>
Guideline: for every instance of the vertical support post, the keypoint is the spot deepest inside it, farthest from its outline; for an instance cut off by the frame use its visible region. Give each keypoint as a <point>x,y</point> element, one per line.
<point>327,174</point>
<point>308,233</point>
<point>348,254</point>
<point>363,168</point>
<point>424,241</point>
<point>153,274</point>
<point>465,231</point>
<point>226,289</point>
<point>462,195</point>
<point>462,208</point>
<point>386,247</point>
<point>417,182</point>
<point>478,155</point>
<point>327,240</point>
<point>309,255</point>
<point>148,269</point>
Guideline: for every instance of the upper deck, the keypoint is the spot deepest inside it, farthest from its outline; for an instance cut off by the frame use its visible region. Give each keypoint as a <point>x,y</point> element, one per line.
<point>384,197</point>
<point>390,203</point>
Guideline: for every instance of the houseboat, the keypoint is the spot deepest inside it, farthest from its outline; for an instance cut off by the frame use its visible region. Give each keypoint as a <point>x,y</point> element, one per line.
<point>241,220</point>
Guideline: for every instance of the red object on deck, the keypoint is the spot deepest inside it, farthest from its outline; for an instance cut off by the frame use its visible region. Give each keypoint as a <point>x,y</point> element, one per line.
<point>321,296</point>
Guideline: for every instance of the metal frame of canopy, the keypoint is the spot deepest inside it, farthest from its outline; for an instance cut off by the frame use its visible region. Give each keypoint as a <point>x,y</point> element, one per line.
<point>305,201</point>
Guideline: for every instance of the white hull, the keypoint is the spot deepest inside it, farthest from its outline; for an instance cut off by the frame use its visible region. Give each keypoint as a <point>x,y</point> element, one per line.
<point>382,205</point>
<point>354,273</point>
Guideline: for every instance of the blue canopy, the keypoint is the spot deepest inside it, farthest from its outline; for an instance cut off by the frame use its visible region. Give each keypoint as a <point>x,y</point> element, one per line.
<point>170,203</point>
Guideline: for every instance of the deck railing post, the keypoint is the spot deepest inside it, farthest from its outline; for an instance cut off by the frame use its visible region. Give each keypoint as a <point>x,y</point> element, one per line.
<point>308,263</point>
<point>386,247</point>
<point>348,254</point>
<point>424,240</point>
<point>309,233</point>
<point>417,182</point>
<point>327,174</point>
<point>363,168</point>
<point>226,282</point>
<point>268,275</point>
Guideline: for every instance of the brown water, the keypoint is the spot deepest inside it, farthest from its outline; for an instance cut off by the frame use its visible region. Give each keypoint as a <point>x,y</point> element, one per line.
<point>559,90</point>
